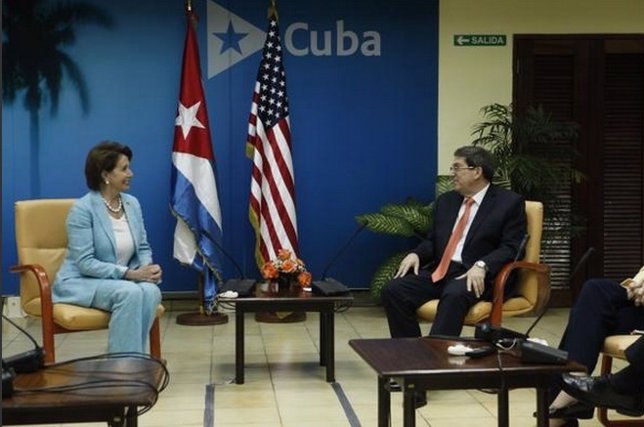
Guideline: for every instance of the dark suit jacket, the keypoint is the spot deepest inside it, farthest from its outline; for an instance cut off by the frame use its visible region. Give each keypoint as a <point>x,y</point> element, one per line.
<point>494,237</point>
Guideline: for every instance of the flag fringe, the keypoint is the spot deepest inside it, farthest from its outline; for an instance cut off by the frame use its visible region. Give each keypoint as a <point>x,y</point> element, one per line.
<point>215,272</point>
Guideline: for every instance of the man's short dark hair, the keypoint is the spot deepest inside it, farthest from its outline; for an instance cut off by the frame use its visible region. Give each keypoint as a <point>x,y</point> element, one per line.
<point>478,157</point>
<point>103,158</point>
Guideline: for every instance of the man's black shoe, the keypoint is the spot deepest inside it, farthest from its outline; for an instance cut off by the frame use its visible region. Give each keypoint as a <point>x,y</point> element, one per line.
<point>598,391</point>
<point>420,399</point>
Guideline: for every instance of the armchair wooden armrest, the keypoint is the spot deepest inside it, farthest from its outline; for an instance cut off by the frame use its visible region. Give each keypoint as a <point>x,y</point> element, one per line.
<point>543,294</point>
<point>46,304</point>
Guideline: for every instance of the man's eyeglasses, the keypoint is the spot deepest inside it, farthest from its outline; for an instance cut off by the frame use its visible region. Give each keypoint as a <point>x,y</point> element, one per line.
<point>460,168</point>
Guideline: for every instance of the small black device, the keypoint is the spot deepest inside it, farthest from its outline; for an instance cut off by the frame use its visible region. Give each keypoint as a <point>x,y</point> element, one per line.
<point>28,361</point>
<point>243,287</point>
<point>480,352</point>
<point>7,381</point>
<point>329,287</point>
<point>491,333</point>
<point>532,352</point>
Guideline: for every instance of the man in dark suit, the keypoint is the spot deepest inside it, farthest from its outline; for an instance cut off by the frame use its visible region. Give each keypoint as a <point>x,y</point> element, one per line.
<point>623,390</point>
<point>477,228</point>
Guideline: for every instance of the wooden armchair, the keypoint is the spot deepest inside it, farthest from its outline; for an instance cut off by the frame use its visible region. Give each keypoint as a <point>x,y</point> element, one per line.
<point>614,347</point>
<point>41,239</point>
<point>532,289</point>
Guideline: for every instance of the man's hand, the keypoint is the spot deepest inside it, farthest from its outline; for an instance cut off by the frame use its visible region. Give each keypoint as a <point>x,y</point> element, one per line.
<point>411,261</point>
<point>475,280</point>
<point>635,292</point>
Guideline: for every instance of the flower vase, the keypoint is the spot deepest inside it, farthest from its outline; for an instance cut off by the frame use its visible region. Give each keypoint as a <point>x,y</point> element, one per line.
<point>284,282</point>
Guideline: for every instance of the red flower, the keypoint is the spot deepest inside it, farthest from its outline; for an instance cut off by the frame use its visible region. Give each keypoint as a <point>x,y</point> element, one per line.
<point>284,254</point>
<point>304,278</point>
<point>289,266</point>
<point>269,271</point>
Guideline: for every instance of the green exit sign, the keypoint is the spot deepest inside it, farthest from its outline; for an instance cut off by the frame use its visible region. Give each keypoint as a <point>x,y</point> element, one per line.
<point>480,39</point>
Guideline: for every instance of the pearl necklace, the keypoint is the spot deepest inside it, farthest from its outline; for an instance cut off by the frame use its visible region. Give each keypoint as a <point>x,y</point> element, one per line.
<point>115,210</point>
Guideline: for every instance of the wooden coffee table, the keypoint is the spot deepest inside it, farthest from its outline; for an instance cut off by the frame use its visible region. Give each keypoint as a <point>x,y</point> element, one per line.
<point>420,364</point>
<point>268,299</point>
<point>110,389</point>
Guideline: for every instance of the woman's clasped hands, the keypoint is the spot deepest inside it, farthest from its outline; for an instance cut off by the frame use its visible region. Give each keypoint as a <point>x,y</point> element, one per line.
<point>146,273</point>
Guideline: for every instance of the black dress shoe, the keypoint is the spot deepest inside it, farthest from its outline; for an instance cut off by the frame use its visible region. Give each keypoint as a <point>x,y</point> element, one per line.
<point>420,399</point>
<point>598,391</point>
<point>577,410</point>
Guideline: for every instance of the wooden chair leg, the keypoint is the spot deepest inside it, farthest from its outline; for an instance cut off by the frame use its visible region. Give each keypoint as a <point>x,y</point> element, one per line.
<point>48,342</point>
<point>602,413</point>
<point>155,339</point>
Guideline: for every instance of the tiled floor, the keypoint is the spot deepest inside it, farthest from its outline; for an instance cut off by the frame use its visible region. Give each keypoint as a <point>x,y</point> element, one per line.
<point>285,386</point>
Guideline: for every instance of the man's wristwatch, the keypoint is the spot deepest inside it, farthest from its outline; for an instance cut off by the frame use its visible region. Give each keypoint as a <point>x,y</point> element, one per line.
<point>481,264</point>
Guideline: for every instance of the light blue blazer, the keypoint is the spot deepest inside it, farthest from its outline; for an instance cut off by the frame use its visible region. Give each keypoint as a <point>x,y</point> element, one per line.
<point>90,260</point>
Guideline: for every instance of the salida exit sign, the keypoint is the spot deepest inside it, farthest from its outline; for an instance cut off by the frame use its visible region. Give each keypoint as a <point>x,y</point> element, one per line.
<point>480,39</point>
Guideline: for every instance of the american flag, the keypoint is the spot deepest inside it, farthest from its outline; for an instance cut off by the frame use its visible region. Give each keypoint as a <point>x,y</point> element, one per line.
<point>272,192</point>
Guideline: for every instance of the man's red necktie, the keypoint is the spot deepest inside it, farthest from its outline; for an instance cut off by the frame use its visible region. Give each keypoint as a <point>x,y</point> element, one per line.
<point>457,233</point>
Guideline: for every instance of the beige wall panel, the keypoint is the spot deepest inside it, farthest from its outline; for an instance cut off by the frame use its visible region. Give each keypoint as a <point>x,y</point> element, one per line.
<point>472,77</point>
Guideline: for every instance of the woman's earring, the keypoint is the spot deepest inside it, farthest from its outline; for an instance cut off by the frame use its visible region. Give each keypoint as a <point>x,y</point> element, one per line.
<point>107,182</point>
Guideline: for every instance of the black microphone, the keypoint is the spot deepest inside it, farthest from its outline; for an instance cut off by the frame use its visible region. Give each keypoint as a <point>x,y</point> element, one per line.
<point>224,252</point>
<point>343,248</point>
<point>582,261</point>
<point>330,287</point>
<point>242,285</point>
<point>29,361</point>
<point>522,245</point>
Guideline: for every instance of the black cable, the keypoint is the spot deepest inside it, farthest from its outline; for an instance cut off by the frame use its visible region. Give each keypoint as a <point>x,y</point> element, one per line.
<point>22,330</point>
<point>108,383</point>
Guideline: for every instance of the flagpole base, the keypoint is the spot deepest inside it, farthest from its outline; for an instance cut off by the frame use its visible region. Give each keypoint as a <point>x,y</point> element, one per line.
<point>199,319</point>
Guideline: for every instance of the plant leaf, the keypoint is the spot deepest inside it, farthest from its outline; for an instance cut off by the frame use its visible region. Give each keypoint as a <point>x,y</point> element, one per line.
<point>385,273</point>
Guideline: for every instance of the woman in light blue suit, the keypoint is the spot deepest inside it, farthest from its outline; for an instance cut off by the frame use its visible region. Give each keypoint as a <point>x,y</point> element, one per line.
<point>108,264</point>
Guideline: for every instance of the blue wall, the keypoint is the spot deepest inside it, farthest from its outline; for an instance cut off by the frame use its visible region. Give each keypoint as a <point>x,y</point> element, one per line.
<point>363,124</point>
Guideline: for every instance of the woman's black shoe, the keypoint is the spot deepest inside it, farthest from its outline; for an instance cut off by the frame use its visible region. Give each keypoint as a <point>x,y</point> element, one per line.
<point>574,411</point>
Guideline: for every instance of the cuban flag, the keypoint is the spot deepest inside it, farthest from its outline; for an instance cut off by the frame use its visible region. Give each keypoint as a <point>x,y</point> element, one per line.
<point>194,198</point>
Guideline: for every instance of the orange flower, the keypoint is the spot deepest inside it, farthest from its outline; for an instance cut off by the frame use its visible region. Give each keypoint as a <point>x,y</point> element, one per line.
<point>304,278</point>
<point>284,254</point>
<point>269,271</point>
<point>289,266</point>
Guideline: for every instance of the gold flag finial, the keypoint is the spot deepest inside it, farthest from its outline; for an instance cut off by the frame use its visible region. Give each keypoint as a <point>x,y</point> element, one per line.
<point>272,10</point>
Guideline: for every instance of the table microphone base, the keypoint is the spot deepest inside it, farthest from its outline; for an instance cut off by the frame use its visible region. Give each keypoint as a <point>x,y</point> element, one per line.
<point>199,319</point>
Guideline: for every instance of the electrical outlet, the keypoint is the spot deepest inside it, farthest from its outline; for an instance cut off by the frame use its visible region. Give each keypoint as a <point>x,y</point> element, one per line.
<point>12,308</point>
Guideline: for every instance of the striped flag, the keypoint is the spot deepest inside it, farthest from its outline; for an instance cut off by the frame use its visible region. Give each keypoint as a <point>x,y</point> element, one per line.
<point>272,192</point>
<point>194,199</point>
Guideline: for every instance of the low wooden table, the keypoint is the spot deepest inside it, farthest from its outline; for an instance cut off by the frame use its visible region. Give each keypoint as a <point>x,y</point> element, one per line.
<point>269,299</point>
<point>420,364</point>
<point>110,389</point>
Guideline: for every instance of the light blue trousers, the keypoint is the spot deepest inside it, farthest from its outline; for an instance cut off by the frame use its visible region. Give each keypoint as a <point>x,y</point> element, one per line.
<point>133,307</point>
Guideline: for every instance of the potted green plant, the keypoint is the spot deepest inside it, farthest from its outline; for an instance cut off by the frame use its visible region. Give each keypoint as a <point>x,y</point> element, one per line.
<point>411,219</point>
<point>534,153</point>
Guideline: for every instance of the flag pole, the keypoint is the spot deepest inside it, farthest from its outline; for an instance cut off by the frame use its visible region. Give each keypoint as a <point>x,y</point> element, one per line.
<point>204,316</point>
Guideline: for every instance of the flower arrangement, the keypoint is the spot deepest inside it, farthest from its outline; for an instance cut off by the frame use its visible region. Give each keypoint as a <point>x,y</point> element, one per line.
<point>287,265</point>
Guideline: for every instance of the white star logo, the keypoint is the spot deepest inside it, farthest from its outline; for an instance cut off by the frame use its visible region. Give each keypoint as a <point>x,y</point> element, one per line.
<point>187,118</point>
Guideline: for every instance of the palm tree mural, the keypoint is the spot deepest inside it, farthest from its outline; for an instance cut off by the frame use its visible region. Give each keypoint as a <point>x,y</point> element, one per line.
<point>34,63</point>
